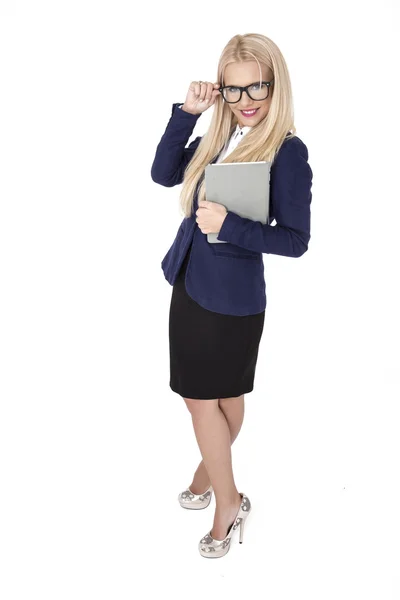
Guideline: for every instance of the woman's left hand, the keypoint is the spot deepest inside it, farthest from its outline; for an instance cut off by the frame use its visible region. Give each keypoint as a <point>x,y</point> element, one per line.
<point>210,216</point>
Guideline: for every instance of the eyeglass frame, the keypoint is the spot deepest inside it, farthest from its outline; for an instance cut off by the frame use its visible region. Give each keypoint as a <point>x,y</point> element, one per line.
<point>245,89</point>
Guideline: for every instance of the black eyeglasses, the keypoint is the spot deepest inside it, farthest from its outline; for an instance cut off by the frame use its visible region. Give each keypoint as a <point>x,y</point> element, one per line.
<point>233,93</point>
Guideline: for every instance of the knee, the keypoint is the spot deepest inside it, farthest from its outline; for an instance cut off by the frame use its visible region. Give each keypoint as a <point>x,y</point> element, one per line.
<point>200,407</point>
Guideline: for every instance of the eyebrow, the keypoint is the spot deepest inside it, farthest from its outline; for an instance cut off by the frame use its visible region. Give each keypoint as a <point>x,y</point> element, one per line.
<point>236,85</point>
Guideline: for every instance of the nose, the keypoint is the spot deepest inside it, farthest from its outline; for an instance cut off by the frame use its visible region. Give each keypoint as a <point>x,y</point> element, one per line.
<point>246,102</point>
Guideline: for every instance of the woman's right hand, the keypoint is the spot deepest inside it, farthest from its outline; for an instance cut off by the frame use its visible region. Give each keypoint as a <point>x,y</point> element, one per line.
<point>200,96</point>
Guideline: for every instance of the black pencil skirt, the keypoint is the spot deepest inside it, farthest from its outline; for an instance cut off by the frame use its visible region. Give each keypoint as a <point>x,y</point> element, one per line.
<point>212,355</point>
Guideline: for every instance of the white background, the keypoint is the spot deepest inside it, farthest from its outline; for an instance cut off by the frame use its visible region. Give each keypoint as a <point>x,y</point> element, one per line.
<point>94,445</point>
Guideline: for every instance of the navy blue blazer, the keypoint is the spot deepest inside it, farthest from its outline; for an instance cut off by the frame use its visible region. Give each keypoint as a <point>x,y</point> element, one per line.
<point>229,278</point>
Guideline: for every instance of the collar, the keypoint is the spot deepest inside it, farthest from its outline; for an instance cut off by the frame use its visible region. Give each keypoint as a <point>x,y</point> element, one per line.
<point>241,130</point>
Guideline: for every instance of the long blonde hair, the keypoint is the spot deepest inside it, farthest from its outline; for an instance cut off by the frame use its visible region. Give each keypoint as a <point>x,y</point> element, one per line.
<point>262,141</point>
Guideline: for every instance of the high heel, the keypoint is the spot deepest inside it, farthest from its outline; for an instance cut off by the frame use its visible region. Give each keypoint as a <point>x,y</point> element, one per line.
<point>187,499</point>
<point>211,548</point>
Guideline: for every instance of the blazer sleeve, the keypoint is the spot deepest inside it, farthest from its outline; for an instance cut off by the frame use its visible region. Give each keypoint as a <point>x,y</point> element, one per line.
<point>172,156</point>
<point>290,195</point>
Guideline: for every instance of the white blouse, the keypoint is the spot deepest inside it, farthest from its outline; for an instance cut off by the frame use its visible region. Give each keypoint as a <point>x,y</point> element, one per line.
<point>236,136</point>
<point>231,144</point>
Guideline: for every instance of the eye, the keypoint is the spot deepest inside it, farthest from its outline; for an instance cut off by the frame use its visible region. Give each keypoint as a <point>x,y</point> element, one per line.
<point>232,88</point>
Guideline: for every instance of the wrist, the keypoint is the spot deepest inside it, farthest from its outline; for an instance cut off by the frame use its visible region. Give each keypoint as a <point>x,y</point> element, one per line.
<point>183,107</point>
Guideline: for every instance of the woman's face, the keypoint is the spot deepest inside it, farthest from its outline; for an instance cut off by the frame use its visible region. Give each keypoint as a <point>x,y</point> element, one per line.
<point>242,74</point>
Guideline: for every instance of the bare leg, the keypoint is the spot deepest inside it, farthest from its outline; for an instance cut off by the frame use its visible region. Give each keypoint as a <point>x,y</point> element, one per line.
<point>214,440</point>
<point>233,410</point>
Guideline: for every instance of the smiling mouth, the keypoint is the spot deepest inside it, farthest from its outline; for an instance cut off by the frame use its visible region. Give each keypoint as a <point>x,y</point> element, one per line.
<point>249,113</point>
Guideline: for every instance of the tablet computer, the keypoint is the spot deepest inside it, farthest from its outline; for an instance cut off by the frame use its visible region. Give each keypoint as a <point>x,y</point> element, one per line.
<point>242,188</point>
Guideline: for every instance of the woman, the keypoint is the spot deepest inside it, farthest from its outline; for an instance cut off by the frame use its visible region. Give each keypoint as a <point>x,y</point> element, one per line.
<point>218,300</point>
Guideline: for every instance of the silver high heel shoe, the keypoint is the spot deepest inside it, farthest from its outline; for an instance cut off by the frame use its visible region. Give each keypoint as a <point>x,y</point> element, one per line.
<point>195,501</point>
<point>211,548</point>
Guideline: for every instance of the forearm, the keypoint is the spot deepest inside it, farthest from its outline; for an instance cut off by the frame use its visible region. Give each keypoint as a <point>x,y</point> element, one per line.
<point>172,156</point>
<point>268,239</point>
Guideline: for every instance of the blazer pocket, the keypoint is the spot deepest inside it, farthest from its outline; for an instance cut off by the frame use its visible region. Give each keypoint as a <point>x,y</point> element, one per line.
<point>228,250</point>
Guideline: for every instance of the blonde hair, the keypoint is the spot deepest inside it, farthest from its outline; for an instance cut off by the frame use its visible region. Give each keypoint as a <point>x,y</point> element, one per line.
<point>263,141</point>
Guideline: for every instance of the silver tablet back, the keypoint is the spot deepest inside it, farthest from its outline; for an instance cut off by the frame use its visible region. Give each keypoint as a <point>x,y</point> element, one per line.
<point>241,187</point>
